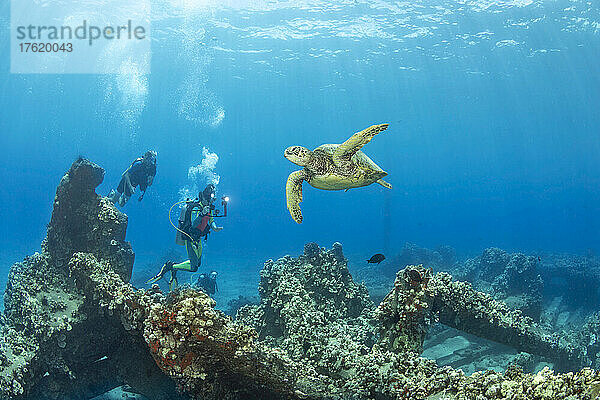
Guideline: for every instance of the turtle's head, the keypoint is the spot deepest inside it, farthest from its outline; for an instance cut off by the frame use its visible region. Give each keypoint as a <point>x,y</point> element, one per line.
<point>298,155</point>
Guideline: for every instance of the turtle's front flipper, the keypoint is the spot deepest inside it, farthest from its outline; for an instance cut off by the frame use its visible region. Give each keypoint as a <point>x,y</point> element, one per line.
<point>384,184</point>
<point>347,149</point>
<point>293,193</point>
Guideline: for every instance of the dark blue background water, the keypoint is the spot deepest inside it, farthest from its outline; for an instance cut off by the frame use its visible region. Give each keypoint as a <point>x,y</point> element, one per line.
<point>493,136</point>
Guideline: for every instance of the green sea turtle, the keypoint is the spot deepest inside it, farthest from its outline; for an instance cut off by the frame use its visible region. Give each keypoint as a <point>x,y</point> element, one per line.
<point>333,167</point>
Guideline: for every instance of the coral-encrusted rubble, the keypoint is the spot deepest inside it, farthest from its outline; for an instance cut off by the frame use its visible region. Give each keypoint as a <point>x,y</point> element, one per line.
<point>587,338</point>
<point>514,384</point>
<point>74,328</point>
<point>201,349</point>
<point>317,279</point>
<point>419,297</point>
<point>86,222</point>
<point>577,275</point>
<point>512,278</point>
<point>341,345</point>
<point>54,345</point>
<point>404,314</point>
<point>311,308</point>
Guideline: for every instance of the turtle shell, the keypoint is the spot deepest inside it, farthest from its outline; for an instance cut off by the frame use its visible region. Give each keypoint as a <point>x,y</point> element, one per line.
<point>326,175</point>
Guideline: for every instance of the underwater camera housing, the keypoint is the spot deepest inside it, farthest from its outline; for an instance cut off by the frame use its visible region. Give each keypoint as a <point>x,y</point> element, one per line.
<point>224,201</point>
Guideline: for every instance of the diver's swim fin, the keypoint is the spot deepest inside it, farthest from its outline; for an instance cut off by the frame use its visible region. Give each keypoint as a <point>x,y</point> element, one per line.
<point>168,266</point>
<point>173,281</point>
<point>113,196</point>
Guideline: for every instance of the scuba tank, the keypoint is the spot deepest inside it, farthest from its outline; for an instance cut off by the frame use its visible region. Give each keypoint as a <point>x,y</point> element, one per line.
<point>182,226</point>
<point>186,223</point>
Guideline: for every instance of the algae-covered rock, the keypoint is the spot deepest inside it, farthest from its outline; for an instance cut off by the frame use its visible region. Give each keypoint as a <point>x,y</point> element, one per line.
<point>83,221</point>
<point>51,339</point>
<point>312,290</point>
<point>405,314</point>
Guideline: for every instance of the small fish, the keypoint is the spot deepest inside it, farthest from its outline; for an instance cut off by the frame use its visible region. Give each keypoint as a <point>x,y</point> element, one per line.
<point>376,259</point>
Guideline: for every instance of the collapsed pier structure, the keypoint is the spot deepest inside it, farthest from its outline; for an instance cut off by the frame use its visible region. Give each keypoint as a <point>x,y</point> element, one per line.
<point>74,328</point>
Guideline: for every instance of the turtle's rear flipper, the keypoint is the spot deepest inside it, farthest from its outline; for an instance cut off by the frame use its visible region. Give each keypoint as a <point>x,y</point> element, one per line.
<point>293,194</point>
<point>384,184</point>
<point>346,150</point>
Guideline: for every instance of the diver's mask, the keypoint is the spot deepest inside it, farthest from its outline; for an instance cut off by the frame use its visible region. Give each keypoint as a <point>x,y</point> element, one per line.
<point>208,194</point>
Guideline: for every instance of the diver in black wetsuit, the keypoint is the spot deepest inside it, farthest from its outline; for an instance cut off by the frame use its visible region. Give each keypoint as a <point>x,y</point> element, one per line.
<point>140,173</point>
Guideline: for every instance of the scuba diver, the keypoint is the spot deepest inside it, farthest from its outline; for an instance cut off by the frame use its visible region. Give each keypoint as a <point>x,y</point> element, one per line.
<point>195,223</point>
<point>208,283</point>
<point>140,173</point>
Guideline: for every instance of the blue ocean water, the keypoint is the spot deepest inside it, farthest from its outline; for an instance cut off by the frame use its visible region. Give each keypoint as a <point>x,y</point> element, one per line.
<point>492,106</point>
